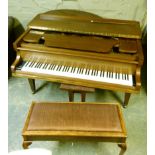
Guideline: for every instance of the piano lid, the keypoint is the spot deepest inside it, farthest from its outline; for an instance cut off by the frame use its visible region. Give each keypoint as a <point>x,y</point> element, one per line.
<point>73,21</point>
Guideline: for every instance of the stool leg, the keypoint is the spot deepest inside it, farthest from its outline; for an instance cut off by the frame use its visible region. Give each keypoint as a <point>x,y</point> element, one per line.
<point>71,96</point>
<point>32,85</point>
<point>126,99</point>
<point>83,97</point>
<point>26,144</point>
<point>123,147</point>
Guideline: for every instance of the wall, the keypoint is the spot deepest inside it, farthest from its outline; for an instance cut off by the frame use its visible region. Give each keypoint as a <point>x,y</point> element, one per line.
<point>24,11</point>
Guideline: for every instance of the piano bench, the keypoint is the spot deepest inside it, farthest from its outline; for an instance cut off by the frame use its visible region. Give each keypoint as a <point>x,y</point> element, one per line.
<point>100,122</point>
<point>76,89</point>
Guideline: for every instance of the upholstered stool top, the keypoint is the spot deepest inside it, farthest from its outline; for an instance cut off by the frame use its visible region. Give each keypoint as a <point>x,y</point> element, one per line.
<point>75,121</point>
<point>74,117</point>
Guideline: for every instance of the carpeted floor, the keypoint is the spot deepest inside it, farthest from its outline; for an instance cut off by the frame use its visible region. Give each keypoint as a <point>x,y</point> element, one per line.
<point>20,98</point>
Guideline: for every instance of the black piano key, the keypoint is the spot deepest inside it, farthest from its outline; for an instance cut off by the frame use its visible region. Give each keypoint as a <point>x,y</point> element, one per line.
<point>107,74</point>
<point>85,72</point>
<point>60,68</point>
<point>40,64</point>
<point>46,66</point>
<point>127,76</point>
<point>72,70</point>
<point>101,73</point>
<point>118,76</point>
<point>36,65</point>
<point>115,75</point>
<point>67,69</point>
<point>30,64</point>
<point>33,62</point>
<point>57,68</point>
<point>27,63</point>
<point>50,67</point>
<point>53,66</point>
<point>82,71</point>
<point>94,73</point>
<point>123,77</point>
<point>64,69</point>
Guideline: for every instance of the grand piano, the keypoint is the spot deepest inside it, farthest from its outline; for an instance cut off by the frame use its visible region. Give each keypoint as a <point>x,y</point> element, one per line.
<point>80,48</point>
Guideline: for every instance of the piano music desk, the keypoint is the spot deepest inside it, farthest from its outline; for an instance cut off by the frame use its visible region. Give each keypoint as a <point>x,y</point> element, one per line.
<point>100,122</point>
<point>76,89</point>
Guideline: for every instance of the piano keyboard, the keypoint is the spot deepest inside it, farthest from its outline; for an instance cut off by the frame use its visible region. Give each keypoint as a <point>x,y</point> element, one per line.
<point>75,72</point>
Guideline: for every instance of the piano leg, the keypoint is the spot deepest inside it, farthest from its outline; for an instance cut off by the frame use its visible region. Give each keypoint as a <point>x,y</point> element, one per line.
<point>126,99</point>
<point>123,147</point>
<point>71,96</point>
<point>83,96</point>
<point>32,85</point>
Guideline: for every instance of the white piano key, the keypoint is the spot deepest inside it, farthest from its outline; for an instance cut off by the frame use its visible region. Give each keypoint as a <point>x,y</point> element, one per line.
<point>76,72</point>
<point>70,68</point>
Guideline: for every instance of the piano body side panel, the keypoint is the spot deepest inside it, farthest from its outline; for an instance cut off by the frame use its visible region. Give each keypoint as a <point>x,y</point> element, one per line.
<point>16,62</point>
<point>140,64</point>
<point>140,50</point>
<point>16,44</point>
<point>138,78</point>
